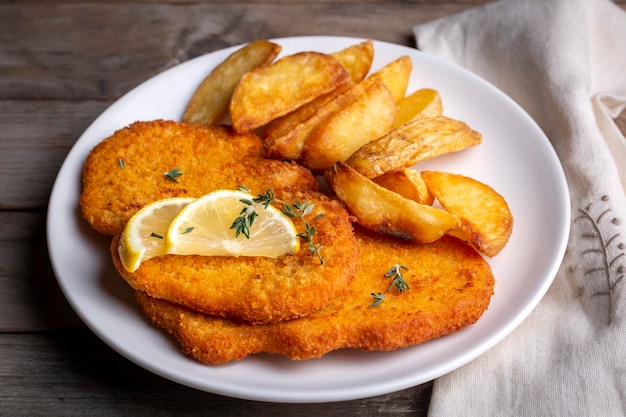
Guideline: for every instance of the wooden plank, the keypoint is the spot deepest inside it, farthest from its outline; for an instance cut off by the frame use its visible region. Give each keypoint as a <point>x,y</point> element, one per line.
<point>417,3</point>
<point>98,51</point>
<point>256,2</point>
<point>31,299</point>
<point>31,153</point>
<point>75,374</point>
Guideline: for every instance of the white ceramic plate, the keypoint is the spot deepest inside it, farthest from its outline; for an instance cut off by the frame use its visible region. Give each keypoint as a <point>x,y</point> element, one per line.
<point>515,158</point>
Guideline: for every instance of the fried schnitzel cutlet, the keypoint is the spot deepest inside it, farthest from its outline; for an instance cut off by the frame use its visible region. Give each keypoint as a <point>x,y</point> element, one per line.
<point>450,286</point>
<point>127,170</point>
<point>258,289</point>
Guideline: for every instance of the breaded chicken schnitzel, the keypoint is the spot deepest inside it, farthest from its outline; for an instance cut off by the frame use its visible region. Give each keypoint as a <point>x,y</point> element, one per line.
<point>258,289</point>
<point>450,286</point>
<point>127,170</point>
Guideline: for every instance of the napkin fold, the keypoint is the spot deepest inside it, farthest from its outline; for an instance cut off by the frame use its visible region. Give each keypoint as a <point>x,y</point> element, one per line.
<point>564,62</point>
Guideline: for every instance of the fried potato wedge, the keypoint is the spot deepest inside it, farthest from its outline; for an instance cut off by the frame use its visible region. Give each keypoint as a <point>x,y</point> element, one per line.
<point>357,59</point>
<point>284,137</point>
<point>395,75</point>
<point>408,183</point>
<point>271,91</point>
<point>486,219</point>
<point>420,104</point>
<point>381,210</point>
<point>411,143</point>
<point>209,103</point>
<point>369,116</point>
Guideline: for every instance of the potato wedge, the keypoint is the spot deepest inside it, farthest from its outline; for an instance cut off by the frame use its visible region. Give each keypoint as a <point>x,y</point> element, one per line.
<point>411,143</point>
<point>209,103</point>
<point>368,117</point>
<point>395,75</point>
<point>486,219</point>
<point>284,137</point>
<point>408,183</point>
<point>385,211</point>
<point>271,91</point>
<point>420,104</point>
<point>357,59</point>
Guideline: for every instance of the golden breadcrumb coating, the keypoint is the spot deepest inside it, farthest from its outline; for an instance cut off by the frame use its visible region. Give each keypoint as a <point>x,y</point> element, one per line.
<point>450,288</point>
<point>258,289</point>
<point>127,170</point>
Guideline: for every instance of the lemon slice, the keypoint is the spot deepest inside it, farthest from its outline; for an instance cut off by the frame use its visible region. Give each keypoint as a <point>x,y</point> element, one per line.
<point>204,228</point>
<point>144,235</point>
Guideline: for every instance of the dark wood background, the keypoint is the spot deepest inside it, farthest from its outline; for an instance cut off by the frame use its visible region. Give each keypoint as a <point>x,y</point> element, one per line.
<point>61,64</point>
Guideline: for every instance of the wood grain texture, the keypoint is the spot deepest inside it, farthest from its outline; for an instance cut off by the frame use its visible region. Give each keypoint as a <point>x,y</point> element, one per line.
<point>98,51</point>
<point>72,373</point>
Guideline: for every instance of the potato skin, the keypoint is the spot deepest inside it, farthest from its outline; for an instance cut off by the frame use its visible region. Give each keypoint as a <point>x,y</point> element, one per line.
<point>368,116</point>
<point>412,143</point>
<point>209,103</point>
<point>387,212</point>
<point>272,91</point>
<point>408,183</point>
<point>486,219</point>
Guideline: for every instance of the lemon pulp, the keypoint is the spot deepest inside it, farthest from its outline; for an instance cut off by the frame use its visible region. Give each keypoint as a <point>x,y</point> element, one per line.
<point>203,227</point>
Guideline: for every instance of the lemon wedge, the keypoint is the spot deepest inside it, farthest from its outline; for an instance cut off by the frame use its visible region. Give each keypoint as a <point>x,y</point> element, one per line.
<point>145,232</point>
<point>203,227</point>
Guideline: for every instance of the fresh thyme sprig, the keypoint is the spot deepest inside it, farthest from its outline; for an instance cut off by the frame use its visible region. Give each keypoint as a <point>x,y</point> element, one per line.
<point>299,210</point>
<point>173,174</point>
<point>395,272</point>
<point>378,298</point>
<point>246,217</point>
<point>264,199</point>
<point>398,280</point>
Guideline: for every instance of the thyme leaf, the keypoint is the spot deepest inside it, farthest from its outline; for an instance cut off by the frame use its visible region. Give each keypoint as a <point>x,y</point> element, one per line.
<point>395,272</point>
<point>122,163</point>
<point>265,199</point>
<point>173,174</point>
<point>378,298</point>
<point>187,230</point>
<point>156,235</point>
<point>299,210</point>
<point>247,215</point>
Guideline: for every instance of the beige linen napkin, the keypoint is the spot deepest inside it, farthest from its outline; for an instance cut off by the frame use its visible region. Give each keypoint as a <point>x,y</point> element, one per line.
<point>564,61</point>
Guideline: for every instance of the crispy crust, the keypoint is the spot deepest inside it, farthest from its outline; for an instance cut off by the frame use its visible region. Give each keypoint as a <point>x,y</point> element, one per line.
<point>258,289</point>
<point>450,288</point>
<point>211,158</point>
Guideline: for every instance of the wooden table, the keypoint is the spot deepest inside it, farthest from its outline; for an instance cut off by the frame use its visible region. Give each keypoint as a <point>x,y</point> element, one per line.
<point>61,64</point>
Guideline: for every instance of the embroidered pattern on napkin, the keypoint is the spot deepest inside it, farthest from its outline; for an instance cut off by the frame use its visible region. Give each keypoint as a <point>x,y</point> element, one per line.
<point>601,269</point>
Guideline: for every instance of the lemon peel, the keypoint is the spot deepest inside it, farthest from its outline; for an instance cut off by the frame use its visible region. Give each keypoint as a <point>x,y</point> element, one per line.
<point>143,236</point>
